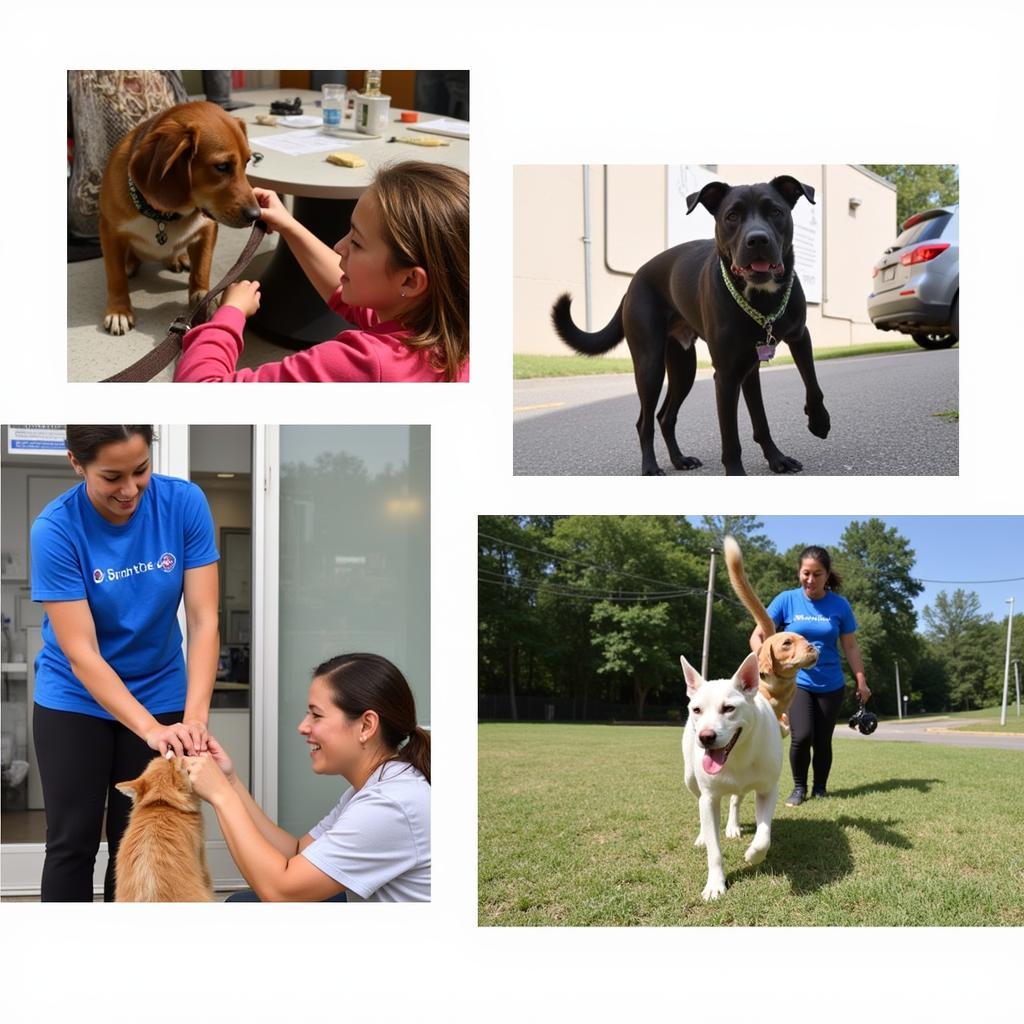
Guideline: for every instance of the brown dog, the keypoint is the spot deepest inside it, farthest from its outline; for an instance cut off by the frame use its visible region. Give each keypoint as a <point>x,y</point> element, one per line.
<point>162,856</point>
<point>781,655</point>
<point>167,184</point>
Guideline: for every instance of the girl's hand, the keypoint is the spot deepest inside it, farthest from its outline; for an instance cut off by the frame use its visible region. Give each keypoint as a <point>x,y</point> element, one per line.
<point>220,756</point>
<point>243,295</point>
<point>208,781</point>
<point>863,692</point>
<point>273,212</point>
<point>182,738</point>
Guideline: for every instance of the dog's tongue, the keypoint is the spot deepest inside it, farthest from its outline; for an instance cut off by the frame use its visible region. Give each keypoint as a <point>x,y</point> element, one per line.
<point>761,266</point>
<point>714,760</point>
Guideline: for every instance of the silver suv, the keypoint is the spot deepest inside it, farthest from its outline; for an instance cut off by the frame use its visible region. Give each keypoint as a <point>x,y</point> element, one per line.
<point>916,283</point>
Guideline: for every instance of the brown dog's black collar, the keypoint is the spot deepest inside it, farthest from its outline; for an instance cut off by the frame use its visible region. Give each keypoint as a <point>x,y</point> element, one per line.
<point>148,211</point>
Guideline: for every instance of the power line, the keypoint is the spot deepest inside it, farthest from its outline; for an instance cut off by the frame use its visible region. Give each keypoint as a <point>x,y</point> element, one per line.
<point>1011,579</point>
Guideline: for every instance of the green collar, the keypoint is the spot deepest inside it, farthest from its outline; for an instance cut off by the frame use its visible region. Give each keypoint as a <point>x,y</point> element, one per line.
<point>148,211</point>
<point>759,318</point>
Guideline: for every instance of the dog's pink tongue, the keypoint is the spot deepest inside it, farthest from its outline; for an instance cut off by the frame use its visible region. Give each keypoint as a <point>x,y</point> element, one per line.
<point>761,266</point>
<point>714,760</point>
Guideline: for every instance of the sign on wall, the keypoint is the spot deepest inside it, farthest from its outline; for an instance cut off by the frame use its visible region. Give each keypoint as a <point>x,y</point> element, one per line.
<point>37,439</point>
<point>685,179</point>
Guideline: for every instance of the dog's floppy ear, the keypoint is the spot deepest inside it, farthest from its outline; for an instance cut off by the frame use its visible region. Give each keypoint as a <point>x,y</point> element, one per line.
<point>162,164</point>
<point>693,678</point>
<point>791,190</point>
<point>747,677</point>
<point>711,196</point>
<point>766,663</point>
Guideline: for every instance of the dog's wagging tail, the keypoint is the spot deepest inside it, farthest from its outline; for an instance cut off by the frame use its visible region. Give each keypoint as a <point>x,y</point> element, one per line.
<point>587,343</point>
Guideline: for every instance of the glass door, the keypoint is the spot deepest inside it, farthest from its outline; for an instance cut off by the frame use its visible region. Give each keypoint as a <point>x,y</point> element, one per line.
<point>345,531</point>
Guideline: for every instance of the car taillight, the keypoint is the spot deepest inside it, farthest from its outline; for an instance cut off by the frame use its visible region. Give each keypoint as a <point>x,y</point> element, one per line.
<point>923,253</point>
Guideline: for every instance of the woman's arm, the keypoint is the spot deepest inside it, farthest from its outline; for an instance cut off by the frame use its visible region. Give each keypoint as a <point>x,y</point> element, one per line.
<point>273,875</point>
<point>317,259</point>
<point>201,596</point>
<point>852,652</point>
<point>75,630</point>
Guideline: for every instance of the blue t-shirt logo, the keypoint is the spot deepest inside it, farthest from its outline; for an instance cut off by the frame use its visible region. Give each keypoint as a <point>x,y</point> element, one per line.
<point>97,575</point>
<point>167,562</point>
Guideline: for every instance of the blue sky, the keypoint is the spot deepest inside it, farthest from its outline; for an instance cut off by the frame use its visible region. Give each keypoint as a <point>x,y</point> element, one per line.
<point>946,548</point>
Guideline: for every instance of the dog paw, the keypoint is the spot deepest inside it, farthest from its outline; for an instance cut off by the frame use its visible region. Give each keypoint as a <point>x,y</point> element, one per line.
<point>179,264</point>
<point>699,841</point>
<point>818,421</point>
<point>733,831</point>
<point>780,463</point>
<point>119,322</point>
<point>656,470</point>
<point>686,462</point>
<point>755,854</point>
<point>714,889</point>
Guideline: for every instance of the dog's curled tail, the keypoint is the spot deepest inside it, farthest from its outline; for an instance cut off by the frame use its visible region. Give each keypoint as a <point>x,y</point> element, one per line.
<point>744,591</point>
<point>588,343</point>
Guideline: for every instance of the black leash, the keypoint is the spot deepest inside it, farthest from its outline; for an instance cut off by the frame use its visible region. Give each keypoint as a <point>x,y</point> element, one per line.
<point>153,362</point>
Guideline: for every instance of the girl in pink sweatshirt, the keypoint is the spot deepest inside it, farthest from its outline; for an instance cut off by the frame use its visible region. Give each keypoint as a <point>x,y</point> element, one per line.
<point>401,275</point>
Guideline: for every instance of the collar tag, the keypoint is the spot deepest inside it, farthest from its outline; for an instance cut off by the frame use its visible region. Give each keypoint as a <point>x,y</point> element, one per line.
<point>765,352</point>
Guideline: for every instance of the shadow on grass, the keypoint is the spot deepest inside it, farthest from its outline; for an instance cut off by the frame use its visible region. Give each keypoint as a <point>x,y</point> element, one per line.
<point>885,786</point>
<point>814,853</point>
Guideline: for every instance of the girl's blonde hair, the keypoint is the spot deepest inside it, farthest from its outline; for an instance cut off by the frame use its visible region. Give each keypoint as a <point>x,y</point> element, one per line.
<point>424,211</point>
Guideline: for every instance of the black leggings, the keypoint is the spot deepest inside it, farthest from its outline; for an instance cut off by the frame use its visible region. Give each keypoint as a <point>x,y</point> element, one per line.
<point>81,758</point>
<point>812,717</point>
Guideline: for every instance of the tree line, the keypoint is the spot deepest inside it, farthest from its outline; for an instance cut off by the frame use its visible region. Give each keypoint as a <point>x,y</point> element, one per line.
<point>587,612</point>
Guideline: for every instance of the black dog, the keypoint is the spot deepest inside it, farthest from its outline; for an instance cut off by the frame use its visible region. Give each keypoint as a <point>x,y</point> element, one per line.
<point>739,292</point>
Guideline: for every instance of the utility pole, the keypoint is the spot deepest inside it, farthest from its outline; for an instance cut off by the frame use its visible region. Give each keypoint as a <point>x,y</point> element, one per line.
<point>1016,679</point>
<point>1006,671</point>
<point>707,616</point>
<point>899,699</point>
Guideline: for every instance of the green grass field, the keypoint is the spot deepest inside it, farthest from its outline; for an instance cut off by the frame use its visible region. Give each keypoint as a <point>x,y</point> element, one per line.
<point>592,825</point>
<point>986,720</point>
<point>525,367</point>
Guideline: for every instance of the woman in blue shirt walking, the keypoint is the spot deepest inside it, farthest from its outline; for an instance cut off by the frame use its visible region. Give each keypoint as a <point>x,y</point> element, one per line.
<point>111,560</point>
<point>817,612</point>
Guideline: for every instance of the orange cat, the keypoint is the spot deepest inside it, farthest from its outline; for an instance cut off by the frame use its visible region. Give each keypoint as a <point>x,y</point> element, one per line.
<point>162,857</point>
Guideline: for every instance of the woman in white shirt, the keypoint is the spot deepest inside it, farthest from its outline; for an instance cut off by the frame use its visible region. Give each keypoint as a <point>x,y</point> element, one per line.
<point>375,843</point>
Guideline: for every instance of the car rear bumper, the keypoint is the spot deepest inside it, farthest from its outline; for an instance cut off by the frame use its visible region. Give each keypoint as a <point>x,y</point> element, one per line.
<point>897,312</point>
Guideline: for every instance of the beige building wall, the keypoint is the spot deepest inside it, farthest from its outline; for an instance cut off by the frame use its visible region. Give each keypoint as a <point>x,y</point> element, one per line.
<point>549,255</point>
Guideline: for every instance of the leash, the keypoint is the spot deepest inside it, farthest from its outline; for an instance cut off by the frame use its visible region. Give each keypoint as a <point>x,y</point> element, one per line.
<point>154,361</point>
<point>767,350</point>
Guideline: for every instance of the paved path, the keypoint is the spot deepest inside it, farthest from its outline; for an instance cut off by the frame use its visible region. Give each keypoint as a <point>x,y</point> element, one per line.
<point>932,730</point>
<point>888,419</point>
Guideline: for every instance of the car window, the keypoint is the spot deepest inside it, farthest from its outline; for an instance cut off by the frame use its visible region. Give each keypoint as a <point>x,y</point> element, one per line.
<point>923,231</point>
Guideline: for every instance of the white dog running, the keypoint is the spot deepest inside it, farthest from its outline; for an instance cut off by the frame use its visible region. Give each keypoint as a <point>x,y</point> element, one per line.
<point>731,744</point>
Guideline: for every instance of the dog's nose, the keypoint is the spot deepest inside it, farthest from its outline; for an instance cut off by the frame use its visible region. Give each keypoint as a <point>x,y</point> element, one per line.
<point>251,213</point>
<point>757,239</point>
<point>707,738</point>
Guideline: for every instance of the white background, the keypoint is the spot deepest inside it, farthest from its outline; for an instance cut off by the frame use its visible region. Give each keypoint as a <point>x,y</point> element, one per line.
<point>911,82</point>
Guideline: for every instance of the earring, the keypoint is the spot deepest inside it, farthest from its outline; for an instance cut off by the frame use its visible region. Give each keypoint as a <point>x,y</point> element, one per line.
<point>403,293</point>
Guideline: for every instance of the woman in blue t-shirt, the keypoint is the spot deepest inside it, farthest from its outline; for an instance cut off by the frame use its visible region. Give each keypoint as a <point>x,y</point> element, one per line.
<point>816,611</point>
<point>111,560</point>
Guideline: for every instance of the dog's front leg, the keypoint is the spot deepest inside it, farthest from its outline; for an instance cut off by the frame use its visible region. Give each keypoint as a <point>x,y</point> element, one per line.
<point>818,420</point>
<point>764,808</point>
<point>727,398</point>
<point>777,461</point>
<point>118,317</point>
<point>200,255</point>
<point>710,816</point>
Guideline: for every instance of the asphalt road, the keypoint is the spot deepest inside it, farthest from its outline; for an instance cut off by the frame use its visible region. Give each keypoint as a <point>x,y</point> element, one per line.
<point>887,420</point>
<point>935,731</point>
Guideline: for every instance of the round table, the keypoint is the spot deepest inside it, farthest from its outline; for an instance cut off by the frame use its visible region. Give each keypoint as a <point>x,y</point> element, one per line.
<point>291,312</point>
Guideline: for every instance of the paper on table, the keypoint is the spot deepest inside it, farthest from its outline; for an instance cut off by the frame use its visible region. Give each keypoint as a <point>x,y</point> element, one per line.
<point>300,121</point>
<point>442,126</point>
<point>298,142</point>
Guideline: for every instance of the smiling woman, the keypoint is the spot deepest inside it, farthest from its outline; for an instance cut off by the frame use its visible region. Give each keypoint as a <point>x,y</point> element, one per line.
<point>111,560</point>
<point>374,845</point>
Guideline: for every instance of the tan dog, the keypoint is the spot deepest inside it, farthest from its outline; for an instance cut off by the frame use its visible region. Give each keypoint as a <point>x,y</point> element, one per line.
<point>167,184</point>
<point>162,856</point>
<point>781,655</point>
